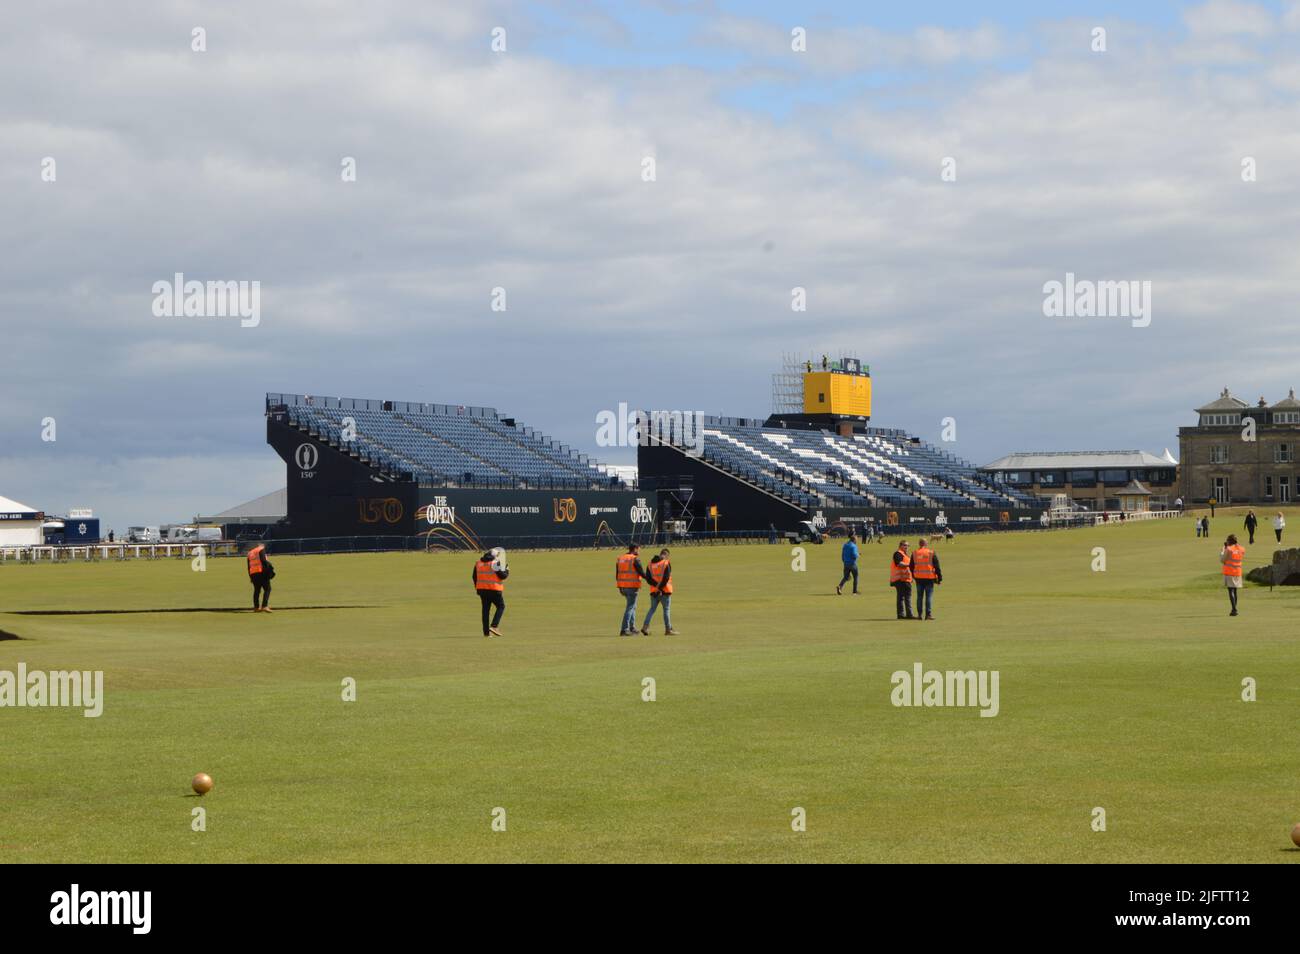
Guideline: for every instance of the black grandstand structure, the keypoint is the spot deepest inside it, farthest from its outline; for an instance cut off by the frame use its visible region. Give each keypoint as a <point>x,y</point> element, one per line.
<point>447,476</point>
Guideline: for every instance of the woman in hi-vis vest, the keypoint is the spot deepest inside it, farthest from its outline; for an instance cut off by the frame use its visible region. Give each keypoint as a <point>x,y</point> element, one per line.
<point>1232,556</point>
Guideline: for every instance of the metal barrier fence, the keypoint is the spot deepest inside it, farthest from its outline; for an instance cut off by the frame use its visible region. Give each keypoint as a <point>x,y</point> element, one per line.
<point>386,544</point>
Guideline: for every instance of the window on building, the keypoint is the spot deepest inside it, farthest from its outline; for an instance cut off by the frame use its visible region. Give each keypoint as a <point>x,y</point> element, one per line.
<point>1219,420</point>
<point>1284,489</point>
<point>1283,453</point>
<point>1082,478</point>
<point>1221,490</point>
<point>1286,417</point>
<point>1219,454</point>
<point>1114,476</point>
<point>1268,485</point>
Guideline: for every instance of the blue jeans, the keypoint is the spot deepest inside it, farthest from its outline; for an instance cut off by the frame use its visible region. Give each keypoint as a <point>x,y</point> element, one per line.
<point>655,599</point>
<point>629,612</point>
<point>924,596</point>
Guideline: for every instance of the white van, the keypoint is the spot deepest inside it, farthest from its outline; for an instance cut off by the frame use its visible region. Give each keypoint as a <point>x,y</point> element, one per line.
<point>143,535</point>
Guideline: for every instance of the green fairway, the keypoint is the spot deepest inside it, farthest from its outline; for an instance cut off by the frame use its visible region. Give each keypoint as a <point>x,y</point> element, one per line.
<point>1119,689</point>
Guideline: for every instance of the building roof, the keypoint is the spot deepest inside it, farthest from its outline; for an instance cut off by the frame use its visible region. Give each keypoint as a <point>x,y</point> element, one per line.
<point>265,509</point>
<point>13,506</point>
<point>1134,489</point>
<point>1080,460</point>
<point>1224,402</point>
<point>1288,402</point>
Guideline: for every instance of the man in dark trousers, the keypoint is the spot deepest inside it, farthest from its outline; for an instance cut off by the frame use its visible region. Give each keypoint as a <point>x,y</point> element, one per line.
<point>1251,524</point>
<point>489,576</point>
<point>849,554</point>
<point>260,574</point>
<point>900,578</point>
<point>926,572</point>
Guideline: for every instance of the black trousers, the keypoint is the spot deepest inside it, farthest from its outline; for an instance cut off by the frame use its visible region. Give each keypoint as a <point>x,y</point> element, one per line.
<point>1251,531</point>
<point>1279,535</point>
<point>850,569</point>
<point>904,602</point>
<point>261,584</point>
<point>490,598</point>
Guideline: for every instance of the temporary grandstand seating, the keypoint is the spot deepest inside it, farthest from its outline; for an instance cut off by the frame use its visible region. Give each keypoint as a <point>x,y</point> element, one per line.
<point>881,467</point>
<point>442,445</point>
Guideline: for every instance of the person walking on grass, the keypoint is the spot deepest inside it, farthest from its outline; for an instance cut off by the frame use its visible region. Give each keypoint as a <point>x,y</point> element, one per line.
<point>1231,556</point>
<point>849,554</point>
<point>628,574</point>
<point>660,573</point>
<point>926,572</point>
<point>900,578</point>
<point>1251,523</point>
<point>489,576</point>
<point>1279,524</point>
<point>260,574</point>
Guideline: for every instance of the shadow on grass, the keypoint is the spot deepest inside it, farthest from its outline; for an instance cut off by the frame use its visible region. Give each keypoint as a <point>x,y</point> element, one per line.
<point>186,609</point>
<point>4,635</point>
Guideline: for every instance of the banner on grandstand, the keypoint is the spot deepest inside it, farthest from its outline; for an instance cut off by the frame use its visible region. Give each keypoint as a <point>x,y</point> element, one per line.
<point>472,519</point>
<point>854,518</point>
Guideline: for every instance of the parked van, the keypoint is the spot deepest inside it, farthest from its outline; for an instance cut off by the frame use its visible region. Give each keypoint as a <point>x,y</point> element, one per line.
<point>143,535</point>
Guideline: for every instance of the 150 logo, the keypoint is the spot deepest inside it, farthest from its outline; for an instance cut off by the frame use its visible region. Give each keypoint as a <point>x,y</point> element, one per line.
<point>380,509</point>
<point>564,509</point>
<point>306,457</point>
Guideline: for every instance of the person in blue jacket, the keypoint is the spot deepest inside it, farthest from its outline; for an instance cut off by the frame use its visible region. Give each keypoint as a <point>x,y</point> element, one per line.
<point>850,557</point>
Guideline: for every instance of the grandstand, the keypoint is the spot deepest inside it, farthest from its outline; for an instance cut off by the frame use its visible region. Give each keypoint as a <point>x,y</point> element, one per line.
<point>870,467</point>
<point>441,445</point>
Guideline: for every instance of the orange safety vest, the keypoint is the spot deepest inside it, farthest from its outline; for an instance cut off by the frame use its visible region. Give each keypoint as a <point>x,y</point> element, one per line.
<point>485,577</point>
<point>627,577</point>
<point>899,573</point>
<point>923,564</point>
<point>1232,566</point>
<point>255,560</point>
<point>657,572</point>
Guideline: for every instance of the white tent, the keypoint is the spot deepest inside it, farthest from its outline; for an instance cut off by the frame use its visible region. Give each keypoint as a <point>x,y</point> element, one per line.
<point>20,525</point>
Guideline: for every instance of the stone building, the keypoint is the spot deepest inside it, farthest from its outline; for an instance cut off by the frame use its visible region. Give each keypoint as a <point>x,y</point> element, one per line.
<point>1241,454</point>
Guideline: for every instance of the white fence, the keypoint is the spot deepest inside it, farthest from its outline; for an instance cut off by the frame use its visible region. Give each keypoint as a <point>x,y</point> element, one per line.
<point>115,551</point>
<point>1083,518</point>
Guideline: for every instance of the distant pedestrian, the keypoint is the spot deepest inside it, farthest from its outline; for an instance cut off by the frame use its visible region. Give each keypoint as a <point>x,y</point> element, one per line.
<point>948,534</point>
<point>900,578</point>
<point>1279,524</point>
<point>260,574</point>
<point>1178,503</point>
<point>849,556</point>
<point>489,576</point>
<point>1231,556</point>
<point>925,570</point>
<point>660,573</point>
<point>628,574</point>
<point>1205,527</point>
<point>771,533</point>
<point>1251,523</point>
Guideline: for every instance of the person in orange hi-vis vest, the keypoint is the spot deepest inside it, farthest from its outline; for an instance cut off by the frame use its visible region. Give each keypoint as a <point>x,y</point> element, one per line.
<point>1231,556</point>
<point>260,574</point>
<point>489,576</point>
<point>900,578</point>
<point>926,573</point>
<point>660,572</point>
<point>628,574</point>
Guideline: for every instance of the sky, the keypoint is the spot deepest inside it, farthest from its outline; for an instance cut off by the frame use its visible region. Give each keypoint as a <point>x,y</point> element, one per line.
<point>523,169</point>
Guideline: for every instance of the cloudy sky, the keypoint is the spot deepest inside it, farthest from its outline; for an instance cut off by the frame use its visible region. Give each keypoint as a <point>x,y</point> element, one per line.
<point>523,169</point>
